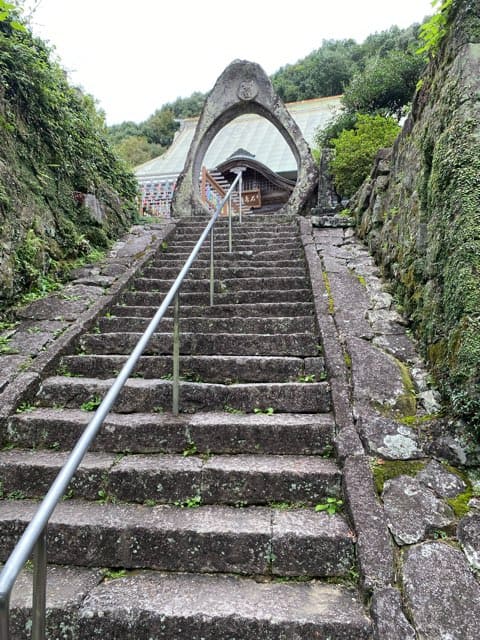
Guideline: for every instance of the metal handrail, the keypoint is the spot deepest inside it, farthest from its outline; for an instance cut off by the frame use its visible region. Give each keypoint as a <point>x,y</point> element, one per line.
<point>34,536</point>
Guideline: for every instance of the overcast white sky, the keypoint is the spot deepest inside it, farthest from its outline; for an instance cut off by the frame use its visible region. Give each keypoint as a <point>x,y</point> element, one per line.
<point>135,55</point>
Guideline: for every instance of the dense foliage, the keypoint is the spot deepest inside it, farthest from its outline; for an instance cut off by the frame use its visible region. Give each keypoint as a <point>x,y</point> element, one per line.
<point>137,143</point>
<point>355,150</point>
<point>53,150</point>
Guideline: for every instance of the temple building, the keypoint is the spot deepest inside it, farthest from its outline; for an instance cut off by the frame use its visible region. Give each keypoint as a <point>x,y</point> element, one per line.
<point>249,141</point>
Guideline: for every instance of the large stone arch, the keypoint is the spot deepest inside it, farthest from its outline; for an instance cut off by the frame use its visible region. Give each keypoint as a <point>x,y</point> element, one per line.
<point>242,88</point>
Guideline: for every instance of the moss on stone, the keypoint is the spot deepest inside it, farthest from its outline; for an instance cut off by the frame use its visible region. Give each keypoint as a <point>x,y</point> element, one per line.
<point>384,470</point>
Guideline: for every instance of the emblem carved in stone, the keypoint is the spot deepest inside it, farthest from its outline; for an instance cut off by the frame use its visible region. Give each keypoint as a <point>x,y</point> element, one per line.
<point>247,90</point>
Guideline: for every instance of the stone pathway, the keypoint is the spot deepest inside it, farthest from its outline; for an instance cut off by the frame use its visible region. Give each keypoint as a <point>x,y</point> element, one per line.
<point>410,487</point>
<point>425,481</point>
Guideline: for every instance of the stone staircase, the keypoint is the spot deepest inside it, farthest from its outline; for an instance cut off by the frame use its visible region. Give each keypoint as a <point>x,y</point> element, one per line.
<point>203,525</point>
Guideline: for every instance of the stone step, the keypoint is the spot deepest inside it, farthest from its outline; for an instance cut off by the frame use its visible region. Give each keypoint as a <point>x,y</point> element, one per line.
<point>244,479</point>
<point>271,325</point>
<point>212,432</point>
<point>165,606</point>
<point>205,539</point>
<point>271,255</point>
<point>242,344</point>
<point>221,369</point>
<point>147,298</point>
<point>168,607</point>
<point>238,239</point>
<point>259,231</point>
<point>247,261</point>
<point>238,245</point>
<point>195,285</point>
<point>261,309</point>
<point>271,223</point>
<point>200,273</point>
<point>140,395</point>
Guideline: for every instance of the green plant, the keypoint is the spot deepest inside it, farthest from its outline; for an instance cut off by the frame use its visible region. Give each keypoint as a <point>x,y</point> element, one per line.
<point>25,407</point>
<point>104,497</point>
<point>331,506</point>
<point>269,411</point>
<point>92,404</point>
<point>355,150</point>
<point>157,409</point>
<point>434,30</point>
<point>114,574</point>
<point>189,503</point>
<point>190,450</point>
<point>5,347</point>
<point>17,494</point>
<point>308,377</point>
<point>331,304</point>
<point>233,410</point>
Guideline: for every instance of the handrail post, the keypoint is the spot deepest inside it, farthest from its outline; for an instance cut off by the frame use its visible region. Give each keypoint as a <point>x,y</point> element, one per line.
<point>176,355</point>
<point>212,266</point>
<point>5,618</point>
<point>230,224</point>
<point>240,197</point>
<point>39,587</point>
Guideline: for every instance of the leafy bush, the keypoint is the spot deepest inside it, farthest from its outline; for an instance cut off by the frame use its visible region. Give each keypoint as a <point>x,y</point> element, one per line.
<point>386,84</point>
<point>355,150</point>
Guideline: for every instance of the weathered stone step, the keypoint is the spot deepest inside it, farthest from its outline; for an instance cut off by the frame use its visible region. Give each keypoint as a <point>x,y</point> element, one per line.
<point>247,261</point>
<point>164,606</point>
<point>271,255</point>
<point>195,285</point>
<point>140,395</point>
<point>242,344</point>
<point>148,298</point>
<point>261,309</point>
<point>271,325</point>
<point>200,273</point>
<point>67,587</point>
<point>221,369</point>
<point>221,246</point>
<point>168,607</point>
<point>257,239</point>
<point>212,432</point>
<point>168,478</point>
<point>206,539</point>
<point>240,231</point>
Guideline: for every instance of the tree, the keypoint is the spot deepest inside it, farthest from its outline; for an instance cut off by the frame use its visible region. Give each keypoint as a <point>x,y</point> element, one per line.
<point>355,150</point>
<point>136,150</point>
<point>386,84</point>
<point>160,127</point>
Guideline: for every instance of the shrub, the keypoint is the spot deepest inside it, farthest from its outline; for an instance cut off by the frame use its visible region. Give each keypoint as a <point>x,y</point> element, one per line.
<point>355,150</point>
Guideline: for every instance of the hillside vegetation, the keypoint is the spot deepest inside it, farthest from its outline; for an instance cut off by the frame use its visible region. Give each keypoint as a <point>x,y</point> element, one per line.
<point>53,152</point>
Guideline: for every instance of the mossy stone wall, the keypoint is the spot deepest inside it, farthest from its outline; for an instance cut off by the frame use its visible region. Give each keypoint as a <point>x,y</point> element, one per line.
<point>421,215</point>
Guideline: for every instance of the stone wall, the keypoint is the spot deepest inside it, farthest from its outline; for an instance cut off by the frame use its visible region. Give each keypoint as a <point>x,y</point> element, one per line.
<point>419,212</point>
